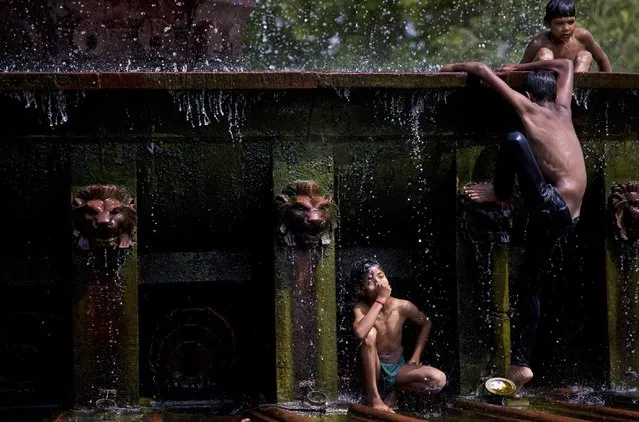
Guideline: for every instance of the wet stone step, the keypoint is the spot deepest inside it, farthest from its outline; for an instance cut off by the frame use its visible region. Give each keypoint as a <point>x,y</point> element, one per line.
<point>274,414</point>
<point>506,412</point>
<point>588,411</point>
<point>621,400</point>
<point>358,412</point>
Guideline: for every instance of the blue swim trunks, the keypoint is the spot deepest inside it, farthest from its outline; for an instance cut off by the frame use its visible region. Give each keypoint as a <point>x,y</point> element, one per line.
<point>389,374</point>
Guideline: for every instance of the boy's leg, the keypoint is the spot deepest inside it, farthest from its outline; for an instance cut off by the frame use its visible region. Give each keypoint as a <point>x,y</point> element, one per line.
<point>540,242</point>
<point>371,370</point>
<point>544,54</point>
<point>516,157</point>
<point>583,61</point>
<point>421,378</point>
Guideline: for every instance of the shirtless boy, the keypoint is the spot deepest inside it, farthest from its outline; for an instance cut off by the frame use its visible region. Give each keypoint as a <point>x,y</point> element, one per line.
<point>379,319</point>
<point>564,40</point>
<point>549,163</point>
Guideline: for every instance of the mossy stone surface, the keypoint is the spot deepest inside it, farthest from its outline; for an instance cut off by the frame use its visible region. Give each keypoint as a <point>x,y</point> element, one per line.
<point>291,162</point>
<point>622,279</point>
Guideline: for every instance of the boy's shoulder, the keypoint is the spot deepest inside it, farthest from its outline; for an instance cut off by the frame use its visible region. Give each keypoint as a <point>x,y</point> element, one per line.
<point>582,34</point>
<point>402,303</point>
<point>540,39</point>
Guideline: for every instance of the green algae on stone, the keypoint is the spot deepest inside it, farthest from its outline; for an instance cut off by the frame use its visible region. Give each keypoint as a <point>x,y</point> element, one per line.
<point>481,358</point>
<point>326,321</point>
<point>501,308</point>
<point>621,279</point>
<point>284,359</point>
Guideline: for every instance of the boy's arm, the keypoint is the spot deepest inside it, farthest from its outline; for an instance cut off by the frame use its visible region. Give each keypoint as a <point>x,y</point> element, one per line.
<point>418,317</point>
<point>365,319</point>
<point>563,68</point>
<point>595,49</point>
<point>517,100</point>
<point>364,316</point>
<point>531,50</point>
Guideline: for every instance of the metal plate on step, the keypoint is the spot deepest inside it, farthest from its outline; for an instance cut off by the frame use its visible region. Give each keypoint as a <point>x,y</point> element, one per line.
<point>500,386</point>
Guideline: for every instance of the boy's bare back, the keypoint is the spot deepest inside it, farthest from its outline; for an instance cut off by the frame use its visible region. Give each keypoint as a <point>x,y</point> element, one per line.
<point>548,125</point>
<point>557,150</point>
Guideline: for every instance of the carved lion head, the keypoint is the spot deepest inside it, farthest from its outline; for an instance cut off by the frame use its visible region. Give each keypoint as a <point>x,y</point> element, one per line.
<point>624,205</point>
<point>305,212</point>
<point>104,216</point>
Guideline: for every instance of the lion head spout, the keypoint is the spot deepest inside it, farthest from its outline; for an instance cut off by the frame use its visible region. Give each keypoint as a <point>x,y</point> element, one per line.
<point>624,206</point>
<point>306,215</point>
<point>104,217</point>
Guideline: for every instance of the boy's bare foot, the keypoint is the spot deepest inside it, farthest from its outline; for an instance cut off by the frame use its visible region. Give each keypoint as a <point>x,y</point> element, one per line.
<point>482,192</point>
<point>520,375</point>
<point>379,404</point>
<point>391,399</point>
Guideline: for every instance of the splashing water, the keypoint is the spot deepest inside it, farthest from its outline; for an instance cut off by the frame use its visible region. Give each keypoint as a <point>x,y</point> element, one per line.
<point>201,108</point>
<point>344,93</point>
<point>53,104</point>
<point>422,105</point>
<point>581,96</point>
<point>411,113</point>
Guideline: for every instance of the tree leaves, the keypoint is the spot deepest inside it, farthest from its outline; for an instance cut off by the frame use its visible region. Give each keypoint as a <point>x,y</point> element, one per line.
<point>418,35</point>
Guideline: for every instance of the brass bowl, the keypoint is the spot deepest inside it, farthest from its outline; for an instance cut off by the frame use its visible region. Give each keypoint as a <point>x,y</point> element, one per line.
<point>500,386</point>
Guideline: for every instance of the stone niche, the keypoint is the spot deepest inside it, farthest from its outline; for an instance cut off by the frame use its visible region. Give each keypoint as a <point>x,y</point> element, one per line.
<point>196,30</point>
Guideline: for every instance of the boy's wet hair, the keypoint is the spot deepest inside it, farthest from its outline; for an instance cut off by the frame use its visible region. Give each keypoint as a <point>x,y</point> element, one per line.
<point>559,9</point>
<point>541,85</point>
<point>360,269</point>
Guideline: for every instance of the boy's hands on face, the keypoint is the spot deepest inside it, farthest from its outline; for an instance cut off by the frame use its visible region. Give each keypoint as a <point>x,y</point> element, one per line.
<point>508,67</point>
<point>383,289</point>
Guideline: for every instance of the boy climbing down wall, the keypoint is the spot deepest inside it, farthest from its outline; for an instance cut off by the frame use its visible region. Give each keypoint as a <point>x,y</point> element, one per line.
<point>564,40</point>
<point>549,163</point>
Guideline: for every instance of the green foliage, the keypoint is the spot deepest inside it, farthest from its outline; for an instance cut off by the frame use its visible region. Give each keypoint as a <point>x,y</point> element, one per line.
<point>615,26</point>
<point>420,35</point>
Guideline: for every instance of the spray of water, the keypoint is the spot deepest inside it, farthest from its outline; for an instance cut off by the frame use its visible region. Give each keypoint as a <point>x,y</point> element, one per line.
<point>201,108</point>
<point>53,105</point>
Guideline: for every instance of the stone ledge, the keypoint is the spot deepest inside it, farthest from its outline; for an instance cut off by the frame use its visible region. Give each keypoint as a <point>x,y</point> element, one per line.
<point>30,81</point>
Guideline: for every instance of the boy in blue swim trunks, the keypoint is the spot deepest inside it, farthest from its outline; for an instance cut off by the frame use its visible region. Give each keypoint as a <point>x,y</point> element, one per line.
<point>379,319</point>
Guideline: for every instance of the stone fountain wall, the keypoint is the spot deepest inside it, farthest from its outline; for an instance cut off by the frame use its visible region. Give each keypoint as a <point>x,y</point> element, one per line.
<point>211,152</point>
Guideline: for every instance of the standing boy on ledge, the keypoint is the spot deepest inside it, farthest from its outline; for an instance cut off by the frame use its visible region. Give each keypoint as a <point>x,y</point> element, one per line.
<point>549,163</point>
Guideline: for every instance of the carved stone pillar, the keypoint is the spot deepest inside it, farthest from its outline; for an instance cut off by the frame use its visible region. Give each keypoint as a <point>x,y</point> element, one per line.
<point>305,299</point>
<point>105,289</point>
<point>622,263</point>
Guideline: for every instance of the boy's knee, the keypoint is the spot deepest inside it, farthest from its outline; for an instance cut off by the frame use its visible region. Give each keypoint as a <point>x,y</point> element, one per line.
<point>438,380</point>
<point>544,54</point>
<point>371,339</point>
<point>583,60</point>
<point>583,57</point>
